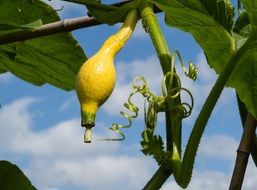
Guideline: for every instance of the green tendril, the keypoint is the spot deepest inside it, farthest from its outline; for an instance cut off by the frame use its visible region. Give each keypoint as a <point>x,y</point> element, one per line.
<point>116,127</point>
<point>172,93</point>
<point>192,70</point>
<point>157,103</point>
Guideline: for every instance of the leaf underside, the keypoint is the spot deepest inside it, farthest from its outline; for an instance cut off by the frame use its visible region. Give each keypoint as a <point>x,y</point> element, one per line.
<point>52,59</point>
<point>210,23</point>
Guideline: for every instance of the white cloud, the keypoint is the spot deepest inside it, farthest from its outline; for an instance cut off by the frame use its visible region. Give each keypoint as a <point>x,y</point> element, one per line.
<point>68,103</point>
<point>213,180</point>
<point>139,32</point>
<point>219,146</point>
<point>57,157</point>
<point>6,78</point>
<point>202,181</point>
<point>222,148</point>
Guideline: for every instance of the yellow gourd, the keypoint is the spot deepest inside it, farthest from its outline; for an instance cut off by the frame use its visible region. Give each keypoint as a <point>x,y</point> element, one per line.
<point>96,78</point>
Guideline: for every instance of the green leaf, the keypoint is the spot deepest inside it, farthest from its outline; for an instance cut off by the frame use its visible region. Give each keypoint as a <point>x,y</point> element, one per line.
<point>222,11</point>
<point>242,29</point>
<point>241,23</point>
<point>251,9</point>
<point>6,28</point>
<point>11,177</point>
<point>216,42</point>
<point>244,76</point>
<point>153,145</point>
<point>25,72</point>
<point>53,59</point>
<point>193,4</point>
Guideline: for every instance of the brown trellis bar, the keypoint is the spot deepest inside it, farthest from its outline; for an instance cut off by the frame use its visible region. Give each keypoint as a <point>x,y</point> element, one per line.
<point>55,27</point>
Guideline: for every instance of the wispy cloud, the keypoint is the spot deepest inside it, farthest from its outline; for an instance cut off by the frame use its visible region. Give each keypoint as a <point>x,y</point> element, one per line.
<point>219,146</point>
<point>6,78</point>
<point>57,157</point>
<point>213,180</point>
<point>140,32</point>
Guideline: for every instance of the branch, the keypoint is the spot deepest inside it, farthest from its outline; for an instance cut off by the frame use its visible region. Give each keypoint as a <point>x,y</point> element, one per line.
<point>49,29</point>
<point>66,25</point>
<point>243,114</point>
<point>243,153</point>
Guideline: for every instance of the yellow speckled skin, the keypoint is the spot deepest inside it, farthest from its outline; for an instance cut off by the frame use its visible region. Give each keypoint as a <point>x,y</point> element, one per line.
<point>96,78</point>
<point>95,82</point>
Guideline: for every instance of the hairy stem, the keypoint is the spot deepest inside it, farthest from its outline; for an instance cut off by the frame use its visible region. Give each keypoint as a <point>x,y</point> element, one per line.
<point>152,27</point>
<point>243,153</point>
<point>189,157</point>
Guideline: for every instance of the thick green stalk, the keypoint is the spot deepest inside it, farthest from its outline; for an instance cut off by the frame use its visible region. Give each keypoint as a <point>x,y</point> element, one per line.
<point>152,27</point>
<point>158,179</point>
<point>190,153</point>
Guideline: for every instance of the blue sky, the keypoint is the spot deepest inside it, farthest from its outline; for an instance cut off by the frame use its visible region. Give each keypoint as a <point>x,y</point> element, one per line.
<point>41,133</point>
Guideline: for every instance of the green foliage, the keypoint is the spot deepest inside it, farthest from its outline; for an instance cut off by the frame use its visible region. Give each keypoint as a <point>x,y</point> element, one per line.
<point>7,28</point>
<point>52,59</point>
<point>221,11</point>
<point>244,76</point>
<point>12,178</point>
<point>251,9</point>
<point>215,40</point>
<point>242,25</point>
<point>106,13</point>
<point>153,145</point>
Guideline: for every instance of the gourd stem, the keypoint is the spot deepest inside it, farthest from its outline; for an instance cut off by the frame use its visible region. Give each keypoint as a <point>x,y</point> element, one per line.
<point>116,41</point>
<point>151,25</point>
<point>88,135</point>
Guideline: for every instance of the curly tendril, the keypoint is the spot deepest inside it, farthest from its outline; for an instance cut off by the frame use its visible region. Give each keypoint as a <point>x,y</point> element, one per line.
<point>192,70</point>
<point>172,93</point>
<point>157,103</point>
<point>116,127</point>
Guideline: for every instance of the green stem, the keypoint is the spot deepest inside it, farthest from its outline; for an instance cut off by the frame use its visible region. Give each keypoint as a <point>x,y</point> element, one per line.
<point>158,179</point>
<point>151,25</point>
<point>187,164</point>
